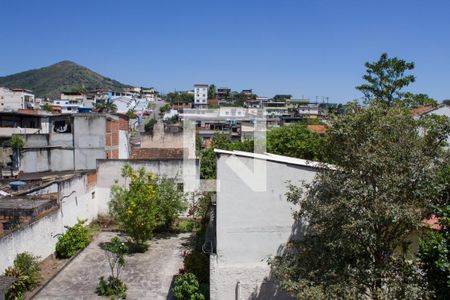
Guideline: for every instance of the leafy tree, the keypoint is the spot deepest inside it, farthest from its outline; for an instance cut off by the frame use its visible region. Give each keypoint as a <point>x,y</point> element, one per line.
<point>295,141</point>
<point>171,201</point>
<point>106,107</point>
<point>163,109</point>
<point>208,156</point>
<point>182,97</point>
<point>47,107</point>
<point>385,80</point>
<point>361,214</point>
<point>148,127</point>
<point>16,142</point>
<point>134,206</point>
<point>446,102</point>
<point>435,254</point>
<point>212,92</point>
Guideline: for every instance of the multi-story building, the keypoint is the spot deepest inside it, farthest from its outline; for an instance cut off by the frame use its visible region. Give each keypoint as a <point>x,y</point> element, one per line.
<point>14,99</point>
<point>68,106</point>
<point>200,95</point>
<point>223,93</point>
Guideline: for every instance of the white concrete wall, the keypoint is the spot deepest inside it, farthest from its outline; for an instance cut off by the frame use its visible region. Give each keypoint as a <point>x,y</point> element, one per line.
<point>108,171</point>
<point>39,238</point>
<point>251,227</point>
<point>124,145</point>
<point>89,141</point>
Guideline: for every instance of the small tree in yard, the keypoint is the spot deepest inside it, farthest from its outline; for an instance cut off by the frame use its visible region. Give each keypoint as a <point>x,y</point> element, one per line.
<point>115,252</point>
<point>170,201</point>
<point>134,206</point>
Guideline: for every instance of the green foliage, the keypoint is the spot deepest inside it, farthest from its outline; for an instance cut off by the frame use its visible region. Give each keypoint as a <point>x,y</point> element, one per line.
<point>163,109</point>
<point>148,127</point>
<point>224,142</point>
<point>187,287</point>
<point>52,80</point>
<point>361,214</point>
<point>115,252</point>
<point>434,253</point>
<point>294,141</point>
<point>106,107</point>
<point>134,206</point>
<point>74,239</point>
<point>212,92</point>
<point>16,142</point>
<point>112,288</point>
<point>197,263</point>
<point>185,225</point>
<point>446,101</point>
<point>27,271</point>
<point>385,80</point>
<point>177,97</point>
<point>170,201</point>
<point>47,107</point>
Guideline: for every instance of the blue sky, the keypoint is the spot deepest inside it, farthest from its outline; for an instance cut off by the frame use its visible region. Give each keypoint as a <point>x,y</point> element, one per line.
<point>305,48</point>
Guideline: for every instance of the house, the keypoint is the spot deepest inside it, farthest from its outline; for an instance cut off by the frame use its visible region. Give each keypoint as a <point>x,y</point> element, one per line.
<point>14,99</point>
<point>23,122</point>
<point>68,106</point>
<point>223,93</point>
<point>252,221</point>
<point>75,142</point>
<point>201,95</point>
<point>441,110</point>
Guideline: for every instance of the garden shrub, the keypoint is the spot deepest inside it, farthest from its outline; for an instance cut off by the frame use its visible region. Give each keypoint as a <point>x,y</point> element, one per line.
<point>26,269</point>
<point>198,264</point>
<point>112,287</point>
<point>187,287</point>
<point>74,239</point>
<point>115,252</point>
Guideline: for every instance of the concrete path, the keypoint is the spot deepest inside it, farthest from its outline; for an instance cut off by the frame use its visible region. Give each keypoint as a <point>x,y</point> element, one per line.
<point>148,275</point>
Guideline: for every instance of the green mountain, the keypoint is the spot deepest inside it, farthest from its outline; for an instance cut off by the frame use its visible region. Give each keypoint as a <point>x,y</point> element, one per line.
<point>64,76</point>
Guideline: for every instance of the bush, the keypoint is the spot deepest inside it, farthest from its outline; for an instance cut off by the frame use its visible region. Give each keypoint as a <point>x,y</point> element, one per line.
<point>74,239</point>
<point>148,127</point>
<point>170,201</point>
<point>26,270</point>
<point>187,287</point>
<point>185,225</point>
<point>198,264</point>
<point>115,252</point>
<point>112,287</point>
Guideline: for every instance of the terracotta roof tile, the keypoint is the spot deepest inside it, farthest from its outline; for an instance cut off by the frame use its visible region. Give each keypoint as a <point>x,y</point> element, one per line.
<point>319,129</point>
<point>421,110</point>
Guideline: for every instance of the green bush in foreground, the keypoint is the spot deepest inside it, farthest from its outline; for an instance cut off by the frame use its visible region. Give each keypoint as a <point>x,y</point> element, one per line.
<point>74,239</point>
<point>26,270</point>
<point>187,287</point>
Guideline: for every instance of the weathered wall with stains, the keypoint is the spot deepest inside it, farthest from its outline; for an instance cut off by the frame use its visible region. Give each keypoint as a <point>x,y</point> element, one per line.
<point>77,201</point>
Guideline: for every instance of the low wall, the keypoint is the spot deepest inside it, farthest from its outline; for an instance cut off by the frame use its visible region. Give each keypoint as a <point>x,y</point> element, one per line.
<point>40,237</point>
<point>109,171</point>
